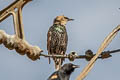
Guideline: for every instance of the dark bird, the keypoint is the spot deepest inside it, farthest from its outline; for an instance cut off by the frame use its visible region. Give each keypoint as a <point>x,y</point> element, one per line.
<point>57,39</point>
<point>64,72</point>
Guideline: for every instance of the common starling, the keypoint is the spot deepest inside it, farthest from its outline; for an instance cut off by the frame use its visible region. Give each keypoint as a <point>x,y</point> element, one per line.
<point>64,72</point>
<point>57,39</point>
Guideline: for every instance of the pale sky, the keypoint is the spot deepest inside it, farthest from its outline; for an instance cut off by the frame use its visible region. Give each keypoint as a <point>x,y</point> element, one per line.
<point>94,20</point>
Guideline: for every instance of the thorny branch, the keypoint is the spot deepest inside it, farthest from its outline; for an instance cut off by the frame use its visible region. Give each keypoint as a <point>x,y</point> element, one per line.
<point>73,55</point>
<point>34,52</point>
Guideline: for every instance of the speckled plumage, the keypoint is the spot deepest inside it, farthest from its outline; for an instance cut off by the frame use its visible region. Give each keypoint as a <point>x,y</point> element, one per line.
<point>57,39</point>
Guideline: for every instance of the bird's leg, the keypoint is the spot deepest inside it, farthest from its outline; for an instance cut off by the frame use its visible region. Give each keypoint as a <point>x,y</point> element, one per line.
<point>49,59</point>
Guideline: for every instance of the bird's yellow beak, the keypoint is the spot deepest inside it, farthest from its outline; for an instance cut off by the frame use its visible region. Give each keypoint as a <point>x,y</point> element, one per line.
<point>75,66</point>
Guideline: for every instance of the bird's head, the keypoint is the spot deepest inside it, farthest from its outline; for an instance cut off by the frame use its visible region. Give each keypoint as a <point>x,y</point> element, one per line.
<point>62,20</point>
<point>68,68</point>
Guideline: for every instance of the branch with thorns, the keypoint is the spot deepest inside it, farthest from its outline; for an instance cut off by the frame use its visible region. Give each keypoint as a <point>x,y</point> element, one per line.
<point>34,52</point>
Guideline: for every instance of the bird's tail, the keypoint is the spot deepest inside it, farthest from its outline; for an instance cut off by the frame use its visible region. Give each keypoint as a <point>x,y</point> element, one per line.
<point>58,63</point>
<point>49,58</point>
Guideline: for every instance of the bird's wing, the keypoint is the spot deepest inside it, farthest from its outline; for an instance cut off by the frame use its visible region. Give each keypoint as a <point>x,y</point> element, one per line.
<point>54,76</point>
<point>66,41</point>
<point>48,40</point>
<point>56,40</point>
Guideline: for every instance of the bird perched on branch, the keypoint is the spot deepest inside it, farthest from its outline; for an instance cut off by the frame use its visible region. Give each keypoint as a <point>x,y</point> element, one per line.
<point>57,39</point>
<point>64,72</point>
